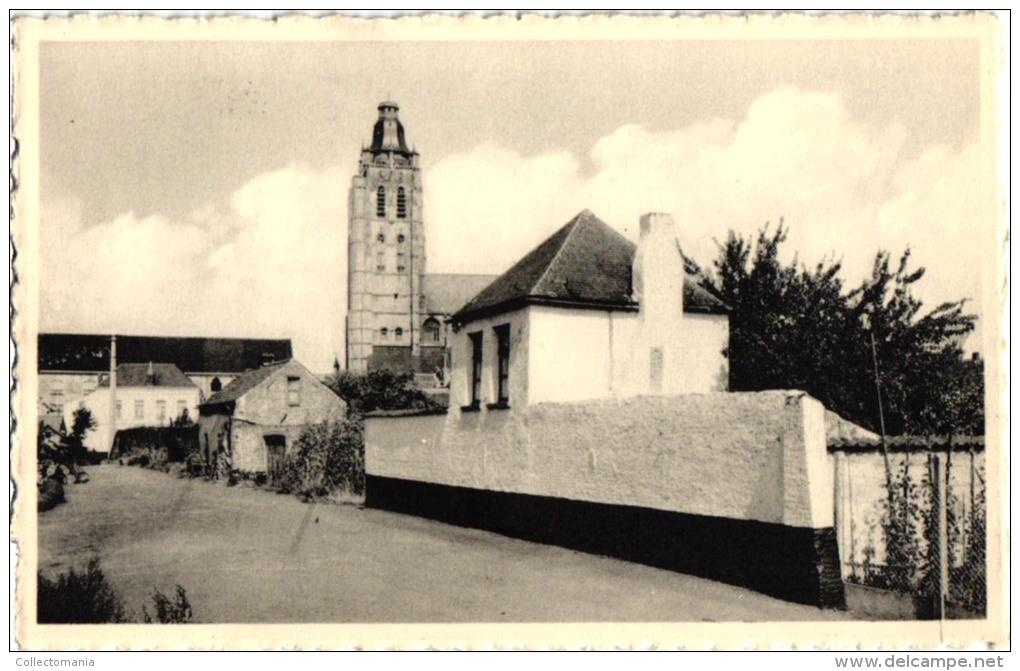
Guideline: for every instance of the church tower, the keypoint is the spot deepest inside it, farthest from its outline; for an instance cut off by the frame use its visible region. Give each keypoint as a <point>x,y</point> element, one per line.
<point>385,252</point>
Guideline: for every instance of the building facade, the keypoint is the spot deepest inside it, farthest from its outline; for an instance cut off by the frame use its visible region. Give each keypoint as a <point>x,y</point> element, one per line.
<point>253,422</point>
<point>392,320</point>
<point>589,315</point>
<point>71,365</point>
<point>152,394</point>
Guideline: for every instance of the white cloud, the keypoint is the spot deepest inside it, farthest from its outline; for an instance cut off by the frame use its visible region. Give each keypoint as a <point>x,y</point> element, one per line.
<point>270,261</point>
<point>842,187</point>
<point>268,265</point>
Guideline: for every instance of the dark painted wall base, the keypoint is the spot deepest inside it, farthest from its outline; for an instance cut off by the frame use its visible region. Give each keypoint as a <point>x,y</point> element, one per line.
<point>793,563</point>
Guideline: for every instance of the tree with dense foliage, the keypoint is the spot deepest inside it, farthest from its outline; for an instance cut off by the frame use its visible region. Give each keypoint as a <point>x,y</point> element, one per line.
<point>794,327</point>
<point>379,390</point>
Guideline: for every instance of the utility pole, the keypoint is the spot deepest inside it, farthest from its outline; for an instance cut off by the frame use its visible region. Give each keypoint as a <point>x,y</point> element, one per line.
<point>113,391</point>
<point>866,319</point>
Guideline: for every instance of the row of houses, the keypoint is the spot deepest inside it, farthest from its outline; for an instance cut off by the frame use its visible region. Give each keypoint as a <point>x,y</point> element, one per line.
<point>235,389</point>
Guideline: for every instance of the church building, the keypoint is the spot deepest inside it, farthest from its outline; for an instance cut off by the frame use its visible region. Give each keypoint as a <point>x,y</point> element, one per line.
<point>396,311</point>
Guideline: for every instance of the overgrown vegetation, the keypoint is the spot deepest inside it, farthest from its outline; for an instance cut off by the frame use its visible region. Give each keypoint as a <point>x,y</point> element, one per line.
<point>794,327</point>
<point>78,597</point>
<point>379,390</point>
<point>328,459</point>
<point>60,457</point>
<point>86,597</point>
<point>907,529</point>
<point>167,610</point>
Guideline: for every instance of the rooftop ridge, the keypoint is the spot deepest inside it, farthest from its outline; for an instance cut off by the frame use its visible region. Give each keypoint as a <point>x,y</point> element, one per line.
<point>572,224</point>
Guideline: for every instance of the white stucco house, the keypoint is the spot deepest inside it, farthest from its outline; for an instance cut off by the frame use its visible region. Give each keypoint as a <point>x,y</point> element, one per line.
<point>149,394</point>
<point>589,315</point>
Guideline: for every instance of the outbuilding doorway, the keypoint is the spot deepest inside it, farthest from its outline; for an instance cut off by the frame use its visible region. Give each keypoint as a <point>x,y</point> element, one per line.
<point>276,452</point>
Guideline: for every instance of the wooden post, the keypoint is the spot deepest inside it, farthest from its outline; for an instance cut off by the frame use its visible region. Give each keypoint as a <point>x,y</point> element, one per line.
<point>942,586</point>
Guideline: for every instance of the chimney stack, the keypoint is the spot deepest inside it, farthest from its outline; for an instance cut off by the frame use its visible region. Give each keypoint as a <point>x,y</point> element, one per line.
<point>656,351</point>
<point>658,273</point>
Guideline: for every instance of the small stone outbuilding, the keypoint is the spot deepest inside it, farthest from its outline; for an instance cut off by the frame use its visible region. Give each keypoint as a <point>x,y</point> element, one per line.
<point>253,423</point>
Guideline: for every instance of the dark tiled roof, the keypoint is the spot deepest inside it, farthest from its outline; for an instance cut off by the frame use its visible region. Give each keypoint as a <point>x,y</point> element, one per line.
<point>445,293</point>
<point>138,375</point>
<point>88,352</point>
<point>244,383</point>
<point>586,264</point>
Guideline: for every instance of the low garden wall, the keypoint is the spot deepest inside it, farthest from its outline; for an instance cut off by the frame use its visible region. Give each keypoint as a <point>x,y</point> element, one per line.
<point>733,486</point>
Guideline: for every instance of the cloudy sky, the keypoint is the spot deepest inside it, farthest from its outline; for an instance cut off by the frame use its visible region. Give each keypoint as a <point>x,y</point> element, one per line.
<point>200,188</point>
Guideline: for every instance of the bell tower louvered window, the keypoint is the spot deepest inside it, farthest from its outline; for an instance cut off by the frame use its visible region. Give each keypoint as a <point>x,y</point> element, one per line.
<point>380,202</point>
<point>401,203</point>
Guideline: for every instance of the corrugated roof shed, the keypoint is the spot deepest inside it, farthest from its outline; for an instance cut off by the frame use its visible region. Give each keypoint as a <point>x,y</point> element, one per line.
<point>586,263</point>
<point>89,352</point>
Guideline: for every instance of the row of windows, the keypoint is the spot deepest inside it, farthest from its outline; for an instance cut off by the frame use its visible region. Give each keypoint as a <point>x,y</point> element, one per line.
<point>380,202</point>
<point>430,331</point>
<point>502,333</point>
<point>57,387</point>
<point>382,238</point>
<point>139,409</point>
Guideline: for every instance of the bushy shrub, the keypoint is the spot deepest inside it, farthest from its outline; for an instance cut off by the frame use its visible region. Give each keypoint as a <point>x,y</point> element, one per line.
<point>329,457</point>
<point>78,598</point>
<point>379,390</point>
<point>138,460</point>
<point>194,465</point>
<point>167,610</point>
<point>51,494</point>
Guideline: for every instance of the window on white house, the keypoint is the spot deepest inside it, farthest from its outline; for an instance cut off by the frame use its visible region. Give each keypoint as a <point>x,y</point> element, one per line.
<point>120,412</point>
<point>503,364</point>
<point>400,262</point>
<point>88,386</point>
<point>381,237</point>
<point>380,202</point>
<point>476,369</point>
<point>293,391</point>
<point>380,262</point>
<point>401,203</point>
<point>400,237</point>
<point>181,407</point>
<point>398,333</point>
<point>139,409</point>
<point>384,333</point>
<point>161,411</point>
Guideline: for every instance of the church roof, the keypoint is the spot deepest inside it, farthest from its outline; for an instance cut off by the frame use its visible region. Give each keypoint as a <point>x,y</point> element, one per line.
<point>445,293</point>
<point>586,263</point>
<point>89,352</point>
<point>380,140</point>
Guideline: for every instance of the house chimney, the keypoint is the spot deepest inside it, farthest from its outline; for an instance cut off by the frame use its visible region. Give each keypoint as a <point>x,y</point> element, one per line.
<point>113,390</point>
<point>658,273</point>
<point>150,375</point>
<point>656,351</point>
